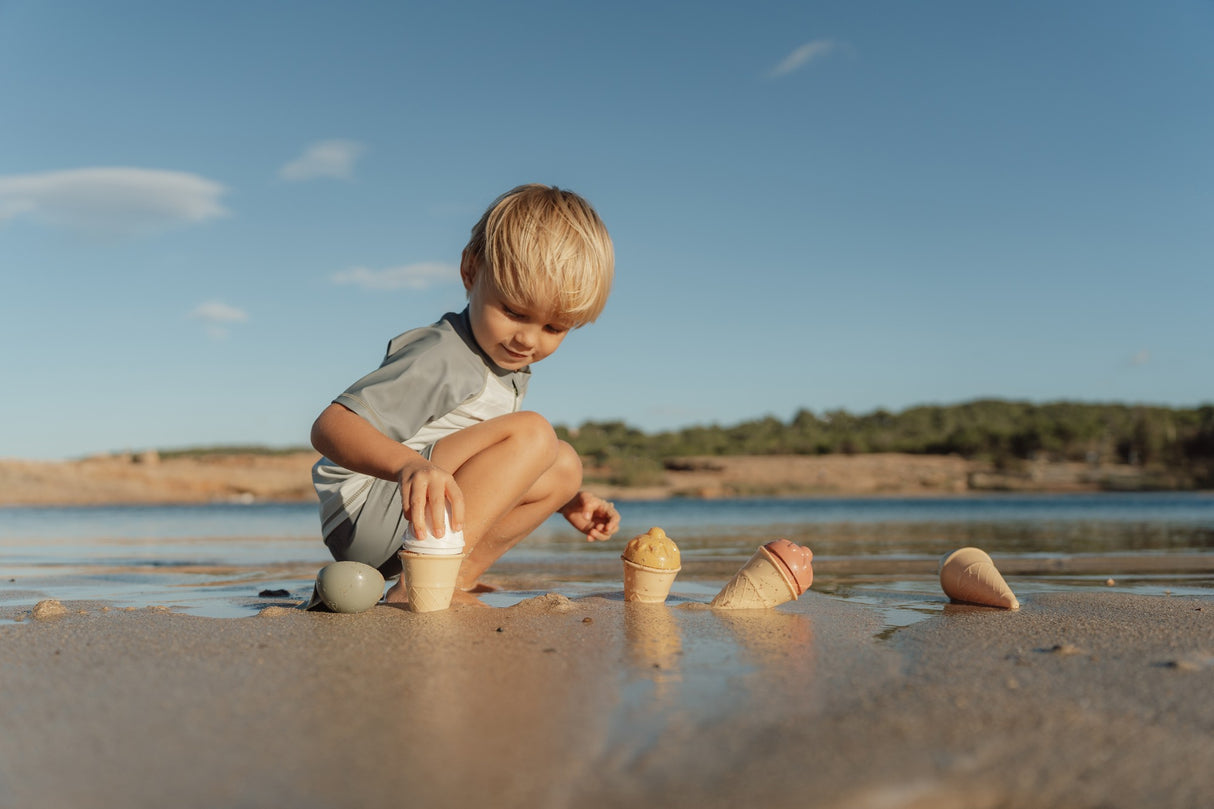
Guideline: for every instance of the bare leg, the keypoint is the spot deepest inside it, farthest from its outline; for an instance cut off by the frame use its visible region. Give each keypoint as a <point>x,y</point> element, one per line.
<point>559,483</point>
<point>514,474</point>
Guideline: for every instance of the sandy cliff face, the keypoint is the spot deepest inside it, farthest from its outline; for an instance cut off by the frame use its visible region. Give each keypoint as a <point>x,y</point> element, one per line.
<point>148,479</point>
<point>790,475</point>
<point>251,477</point>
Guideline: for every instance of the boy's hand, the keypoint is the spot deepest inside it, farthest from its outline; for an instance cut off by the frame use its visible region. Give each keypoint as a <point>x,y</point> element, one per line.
<point>592,515</point>
<point>425,490</point>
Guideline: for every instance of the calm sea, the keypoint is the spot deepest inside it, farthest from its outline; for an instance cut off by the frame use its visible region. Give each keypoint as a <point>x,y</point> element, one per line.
<point>228,560</point>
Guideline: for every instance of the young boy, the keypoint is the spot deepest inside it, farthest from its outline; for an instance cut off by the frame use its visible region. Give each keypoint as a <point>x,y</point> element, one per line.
<point>438,425</point>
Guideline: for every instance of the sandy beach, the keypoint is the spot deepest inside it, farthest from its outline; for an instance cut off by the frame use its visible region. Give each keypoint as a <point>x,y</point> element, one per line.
<point>1079,699</point>
<point>871,691</point>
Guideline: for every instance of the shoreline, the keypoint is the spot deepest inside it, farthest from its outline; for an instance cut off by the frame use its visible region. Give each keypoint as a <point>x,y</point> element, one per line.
<point>871,691</point>
<point>1077,699</point>
<point>148,479</point>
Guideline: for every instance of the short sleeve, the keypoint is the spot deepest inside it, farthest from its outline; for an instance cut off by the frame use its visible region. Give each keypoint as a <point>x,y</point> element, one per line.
<point>427,373</point>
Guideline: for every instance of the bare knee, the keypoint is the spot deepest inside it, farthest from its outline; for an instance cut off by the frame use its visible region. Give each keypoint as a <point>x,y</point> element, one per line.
<point>567,470</point>
<point>560,481</point>
<point>535,436</point>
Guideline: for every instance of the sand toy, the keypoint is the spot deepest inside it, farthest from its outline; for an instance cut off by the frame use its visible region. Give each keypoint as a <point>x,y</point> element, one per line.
<point>346,587</point>
<point>651,562</point>
<point>969,575</point>
<point>779,571</point>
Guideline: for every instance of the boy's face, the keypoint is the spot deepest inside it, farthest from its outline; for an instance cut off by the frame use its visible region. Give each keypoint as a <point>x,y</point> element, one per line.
<point>511,335</point>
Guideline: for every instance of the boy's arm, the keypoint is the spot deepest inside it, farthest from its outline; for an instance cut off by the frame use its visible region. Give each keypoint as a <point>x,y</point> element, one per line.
<point>349,440</point>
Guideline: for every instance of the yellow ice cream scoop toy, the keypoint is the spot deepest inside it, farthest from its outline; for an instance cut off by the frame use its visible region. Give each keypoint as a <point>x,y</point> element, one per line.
<point>651,561</point>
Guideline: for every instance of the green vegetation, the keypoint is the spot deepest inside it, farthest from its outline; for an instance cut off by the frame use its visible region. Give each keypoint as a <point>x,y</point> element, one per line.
<point>1178,444</point>
<point>1004,433</point>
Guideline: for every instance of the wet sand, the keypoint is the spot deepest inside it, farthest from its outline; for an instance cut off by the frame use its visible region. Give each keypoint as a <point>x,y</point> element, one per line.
<point>1080,699</point>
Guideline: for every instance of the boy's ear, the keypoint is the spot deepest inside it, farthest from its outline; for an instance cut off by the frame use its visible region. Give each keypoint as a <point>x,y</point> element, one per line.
<point>467,269</point>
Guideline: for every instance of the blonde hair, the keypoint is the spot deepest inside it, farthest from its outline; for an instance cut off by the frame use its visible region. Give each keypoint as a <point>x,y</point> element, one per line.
<point>546,249</point>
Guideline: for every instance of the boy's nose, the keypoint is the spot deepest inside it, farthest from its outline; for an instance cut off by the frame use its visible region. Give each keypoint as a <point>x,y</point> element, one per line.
<point>525,338</point>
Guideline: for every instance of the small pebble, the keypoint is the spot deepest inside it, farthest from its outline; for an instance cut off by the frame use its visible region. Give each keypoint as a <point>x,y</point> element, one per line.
<point>589,620</point>
<point>1109,582</point>
<point>1191,662</point>
<point>1064,649</point>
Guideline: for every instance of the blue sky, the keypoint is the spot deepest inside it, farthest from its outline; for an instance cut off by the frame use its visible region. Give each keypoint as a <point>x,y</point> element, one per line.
<point>214,216</point>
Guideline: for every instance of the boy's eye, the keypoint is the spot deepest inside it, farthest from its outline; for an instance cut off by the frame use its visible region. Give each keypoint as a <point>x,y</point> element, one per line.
<point>553,328</point>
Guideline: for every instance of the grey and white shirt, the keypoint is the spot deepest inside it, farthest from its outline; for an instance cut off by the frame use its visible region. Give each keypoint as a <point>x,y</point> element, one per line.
<point>433,381</point>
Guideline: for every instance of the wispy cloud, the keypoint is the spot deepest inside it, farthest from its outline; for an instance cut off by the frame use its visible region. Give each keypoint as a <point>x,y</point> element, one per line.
<point>1140,357</point>
<point>802,56</point>
<point>217,316</point>
<point>111,201</point>
<point>328,158</point>
<point>411,276</point>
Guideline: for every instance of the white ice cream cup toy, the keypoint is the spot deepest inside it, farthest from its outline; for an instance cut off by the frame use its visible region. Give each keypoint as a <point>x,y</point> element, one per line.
<point>451,543</point>
<point>431,566</point>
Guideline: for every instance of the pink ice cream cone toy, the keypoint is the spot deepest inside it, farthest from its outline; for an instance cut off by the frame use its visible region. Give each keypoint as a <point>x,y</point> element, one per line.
<point>779,571</point>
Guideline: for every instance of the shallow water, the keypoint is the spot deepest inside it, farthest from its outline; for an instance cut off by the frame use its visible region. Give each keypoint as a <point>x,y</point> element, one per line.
<point>216,560</point>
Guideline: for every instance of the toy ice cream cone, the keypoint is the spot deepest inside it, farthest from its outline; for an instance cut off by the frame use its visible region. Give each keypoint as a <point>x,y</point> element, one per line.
<point>451,543</point>
<point>779,571</point>
<point>761,583</point>
<point>651,561</point>
<point>969,575</point>
<point>430,580</point>
<point>648,585</point>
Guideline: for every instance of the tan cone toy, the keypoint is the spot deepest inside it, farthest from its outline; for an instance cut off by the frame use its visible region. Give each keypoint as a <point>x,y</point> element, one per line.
<point>969,575</point>
<point>430,580</point>
<point>651,561</point>
<point>649,585</point>
<point>763,582</point>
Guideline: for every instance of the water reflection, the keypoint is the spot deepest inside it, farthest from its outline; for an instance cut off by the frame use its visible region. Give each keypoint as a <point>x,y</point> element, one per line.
<point>936,538</point>
<point>779,643</point>
<point>193,557</point>
<point>655,645</point>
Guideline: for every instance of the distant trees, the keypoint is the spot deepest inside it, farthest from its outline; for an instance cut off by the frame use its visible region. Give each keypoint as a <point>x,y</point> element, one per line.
<point>1000,431</point>
<point>1171,440</point>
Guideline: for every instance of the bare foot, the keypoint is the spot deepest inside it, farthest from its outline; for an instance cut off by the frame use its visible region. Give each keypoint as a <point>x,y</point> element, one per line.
<point>397,594</point>
<point>466,599</point>
<point>481,587</point>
